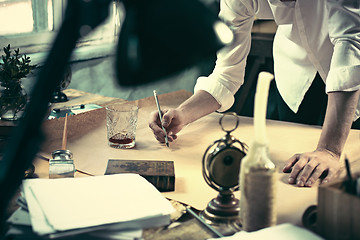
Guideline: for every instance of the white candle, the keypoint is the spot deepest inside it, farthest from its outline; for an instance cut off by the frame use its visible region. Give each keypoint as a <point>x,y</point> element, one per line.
<point>261,98</point>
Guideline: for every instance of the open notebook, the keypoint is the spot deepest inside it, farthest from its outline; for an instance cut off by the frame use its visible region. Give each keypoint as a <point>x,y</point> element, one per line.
<point>65,206</point>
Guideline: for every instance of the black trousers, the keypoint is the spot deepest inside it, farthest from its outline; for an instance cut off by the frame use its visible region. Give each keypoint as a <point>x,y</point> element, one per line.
<point>311,111</point>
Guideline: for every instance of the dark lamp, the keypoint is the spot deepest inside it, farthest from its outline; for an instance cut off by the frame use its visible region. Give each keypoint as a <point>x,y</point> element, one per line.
<point>159,38</point>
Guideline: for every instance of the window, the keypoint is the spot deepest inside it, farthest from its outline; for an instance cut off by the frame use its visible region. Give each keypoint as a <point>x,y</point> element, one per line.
<point>20,17</point>
<point>29,23</point>
<point>32,24</point>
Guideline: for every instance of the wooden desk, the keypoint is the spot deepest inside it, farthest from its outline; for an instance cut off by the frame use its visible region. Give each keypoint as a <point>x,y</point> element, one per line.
<point>91,153</point>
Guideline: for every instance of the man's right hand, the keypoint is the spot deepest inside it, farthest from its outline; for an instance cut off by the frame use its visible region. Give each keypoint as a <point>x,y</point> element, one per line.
<point>174,119</point>
<point>171,121</point>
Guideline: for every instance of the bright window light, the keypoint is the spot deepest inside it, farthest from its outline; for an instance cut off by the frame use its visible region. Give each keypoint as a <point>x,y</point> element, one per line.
<point>16,17</point>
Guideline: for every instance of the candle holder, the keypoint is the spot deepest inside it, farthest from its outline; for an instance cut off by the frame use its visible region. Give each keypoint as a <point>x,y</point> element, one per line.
<point>58,95</point>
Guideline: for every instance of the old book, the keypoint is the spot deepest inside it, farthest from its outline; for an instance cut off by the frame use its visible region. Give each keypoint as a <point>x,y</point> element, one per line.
<point>160,173</point>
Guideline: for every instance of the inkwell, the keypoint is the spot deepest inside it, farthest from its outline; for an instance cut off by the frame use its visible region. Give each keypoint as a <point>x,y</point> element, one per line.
<point>220,167</point>
<point>62,165</point>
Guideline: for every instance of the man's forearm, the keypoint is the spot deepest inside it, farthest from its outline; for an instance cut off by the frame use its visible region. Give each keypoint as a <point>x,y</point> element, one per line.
<point>339,117</point>
<point>200,104</point>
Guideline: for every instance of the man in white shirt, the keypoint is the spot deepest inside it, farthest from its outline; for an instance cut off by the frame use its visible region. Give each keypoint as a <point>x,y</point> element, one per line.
<point>321,36</point>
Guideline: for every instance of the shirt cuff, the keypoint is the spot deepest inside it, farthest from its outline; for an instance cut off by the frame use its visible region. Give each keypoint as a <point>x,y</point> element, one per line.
<point>221,94</point>
<point>338,80</point>
<point>343,79</point>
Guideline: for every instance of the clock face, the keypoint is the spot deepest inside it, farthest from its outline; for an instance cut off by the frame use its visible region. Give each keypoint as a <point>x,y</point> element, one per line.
<point>224,166</point>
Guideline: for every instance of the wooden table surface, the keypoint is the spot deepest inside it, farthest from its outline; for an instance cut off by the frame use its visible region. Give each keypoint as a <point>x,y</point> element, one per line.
<point>285,139</point>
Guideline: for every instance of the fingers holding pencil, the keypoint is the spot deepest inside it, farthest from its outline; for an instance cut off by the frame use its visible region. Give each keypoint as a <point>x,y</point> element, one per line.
<point>160,117</point>
<point>171,121</point>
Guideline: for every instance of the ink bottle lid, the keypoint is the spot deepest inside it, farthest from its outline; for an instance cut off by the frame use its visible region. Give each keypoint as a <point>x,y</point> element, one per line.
<point>61,165</point>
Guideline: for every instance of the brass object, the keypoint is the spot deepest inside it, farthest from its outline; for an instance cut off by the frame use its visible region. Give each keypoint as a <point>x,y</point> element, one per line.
<point>221,167</point>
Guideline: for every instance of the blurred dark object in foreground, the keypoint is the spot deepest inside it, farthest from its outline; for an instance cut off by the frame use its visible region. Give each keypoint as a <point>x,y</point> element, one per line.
<point>158,38</point>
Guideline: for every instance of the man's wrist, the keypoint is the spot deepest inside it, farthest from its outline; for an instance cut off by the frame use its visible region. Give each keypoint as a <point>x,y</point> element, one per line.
<point>334,154</point>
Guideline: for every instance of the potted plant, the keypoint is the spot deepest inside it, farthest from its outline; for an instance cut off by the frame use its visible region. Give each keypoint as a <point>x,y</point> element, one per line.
<point>13,97</point>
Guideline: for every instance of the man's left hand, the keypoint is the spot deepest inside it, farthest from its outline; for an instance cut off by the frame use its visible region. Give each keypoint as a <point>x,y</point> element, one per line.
<point>307,168</point>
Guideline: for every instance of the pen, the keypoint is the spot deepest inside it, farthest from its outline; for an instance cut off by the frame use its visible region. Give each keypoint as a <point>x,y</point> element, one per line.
<point>350,184</point>
<point>160,116</point>
<point>57,110</point>
<point>217,233</point>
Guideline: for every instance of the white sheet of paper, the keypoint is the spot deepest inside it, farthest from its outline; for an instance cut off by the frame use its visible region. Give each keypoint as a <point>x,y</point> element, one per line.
<point>118,235</point>
<point>20,217</point>
<point>38,220</point>
<point>284,231</point>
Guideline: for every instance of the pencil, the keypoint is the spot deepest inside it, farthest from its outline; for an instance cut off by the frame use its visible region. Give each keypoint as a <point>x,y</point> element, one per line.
<point>160,116</point>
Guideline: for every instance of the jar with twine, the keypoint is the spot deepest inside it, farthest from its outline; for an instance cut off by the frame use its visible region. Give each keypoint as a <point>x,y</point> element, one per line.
<point>258,173</point>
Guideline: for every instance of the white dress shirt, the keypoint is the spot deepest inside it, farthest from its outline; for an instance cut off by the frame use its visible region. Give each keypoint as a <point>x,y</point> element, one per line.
<point>312,36</point>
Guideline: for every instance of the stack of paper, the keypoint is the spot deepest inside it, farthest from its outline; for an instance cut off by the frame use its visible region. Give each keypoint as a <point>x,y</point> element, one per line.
<point>67,206</point>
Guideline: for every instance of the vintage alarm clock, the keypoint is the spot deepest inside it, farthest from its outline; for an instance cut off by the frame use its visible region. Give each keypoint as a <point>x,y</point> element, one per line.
<point>221,167</point>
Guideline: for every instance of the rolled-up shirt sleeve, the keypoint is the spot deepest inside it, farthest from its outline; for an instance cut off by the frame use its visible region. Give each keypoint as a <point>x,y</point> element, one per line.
<point>228,74</point>
<point>344,32</point>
